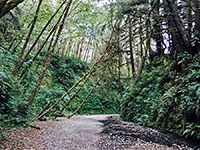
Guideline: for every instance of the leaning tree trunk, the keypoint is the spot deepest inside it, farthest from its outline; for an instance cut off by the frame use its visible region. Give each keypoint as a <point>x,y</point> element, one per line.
<point>12,51</point>
<point>27,39</point>
<point>75,94</point>
<point>85,98</point>
<point>97,62</point>
<point>30,101</point>
<point>7,5</point>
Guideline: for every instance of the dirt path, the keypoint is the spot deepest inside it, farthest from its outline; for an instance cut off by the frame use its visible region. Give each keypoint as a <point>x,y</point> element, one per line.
<point>77,133</point>
<point>94,132</point>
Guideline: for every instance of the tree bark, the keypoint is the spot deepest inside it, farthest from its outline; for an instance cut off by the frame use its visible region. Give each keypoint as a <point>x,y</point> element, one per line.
<point>85,98</point>
<point>75,94</point>
<point>189,18</point>
<point>159,38</point>
<point>7,5</point>
<point>2,4</point>
<point>197,23</point>
<point>30,101</point>
<point>95,64</point>
<point>181,30</point>
<point>13,50</point>
<point>131,46</point>
<point>197,15</point>
<point>18,64</point>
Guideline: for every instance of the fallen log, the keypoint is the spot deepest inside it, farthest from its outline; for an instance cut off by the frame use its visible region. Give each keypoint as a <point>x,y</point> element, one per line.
<point>36,127</point>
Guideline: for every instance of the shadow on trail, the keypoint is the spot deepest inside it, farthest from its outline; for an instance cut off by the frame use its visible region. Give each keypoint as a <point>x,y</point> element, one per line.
<point>121,135</point>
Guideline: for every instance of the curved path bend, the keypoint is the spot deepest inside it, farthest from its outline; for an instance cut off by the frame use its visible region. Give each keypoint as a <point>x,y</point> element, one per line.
<point>91,132</point>
<point>76,133</point>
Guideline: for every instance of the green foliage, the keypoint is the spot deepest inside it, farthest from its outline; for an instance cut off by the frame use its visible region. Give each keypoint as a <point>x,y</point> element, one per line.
<point>167,96</point>
<point>65,69</point>
<point>12,109</point>
<point>66,72</point>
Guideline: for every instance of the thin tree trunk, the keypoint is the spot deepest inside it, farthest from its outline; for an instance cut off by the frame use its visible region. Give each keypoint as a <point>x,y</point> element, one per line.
<point>95,64</point>
<point>48,104</point>
<point>13,50</point>
<point>197,15</point>
<point>75,93</point>
<point>141,41</point>
<point>148,43</point>
<point>44,28</point>
<point>40,78</point>
<point>85,98</point>
<point>159,30</point>
<point>30,101</point>
<point>27,38</point>
<point>81,49</point>
<point>189,19</point>
<point>119,63</point>
<point>138,74</point>
<point>131,46</point>
<point>87,50</point>
<point>128,68</point>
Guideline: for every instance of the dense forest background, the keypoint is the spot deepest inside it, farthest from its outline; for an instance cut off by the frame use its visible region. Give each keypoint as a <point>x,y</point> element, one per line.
<point>138,58</point>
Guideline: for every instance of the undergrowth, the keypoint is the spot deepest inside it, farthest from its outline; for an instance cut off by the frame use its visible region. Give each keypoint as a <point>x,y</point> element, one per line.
<point>167,96</point>
<point>62,73</point>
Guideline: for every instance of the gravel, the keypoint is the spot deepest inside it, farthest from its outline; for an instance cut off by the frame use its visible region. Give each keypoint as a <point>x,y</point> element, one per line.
<point>91,132</point>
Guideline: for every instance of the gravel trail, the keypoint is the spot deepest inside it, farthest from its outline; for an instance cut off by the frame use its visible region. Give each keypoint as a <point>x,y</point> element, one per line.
<point>89,132</point>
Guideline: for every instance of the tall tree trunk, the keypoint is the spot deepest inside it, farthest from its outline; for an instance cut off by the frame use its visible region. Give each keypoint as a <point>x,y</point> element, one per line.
<point>87,50</point>
<point>131,46</point>
<point>44,28</point>
<point>77,49</point>
<point>119,64</point>
<point>27,38</point>
<point>197,15</point>
<point>141,41</point>
<point>148,39</point>
<point>81,49</point>
<point>41,76</point>
<point>30,101</point>
<point>197,22</point>
<point>13,50</point>
<point>189,18</point>
<point>128,68</point>
<point>179,25</point>
<point>157,26</point>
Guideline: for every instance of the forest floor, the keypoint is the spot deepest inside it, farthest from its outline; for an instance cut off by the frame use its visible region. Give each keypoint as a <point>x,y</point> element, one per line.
<point>92,132</point>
